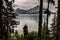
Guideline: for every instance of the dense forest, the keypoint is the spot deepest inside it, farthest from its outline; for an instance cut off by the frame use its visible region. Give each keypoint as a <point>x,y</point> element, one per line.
<point>8,23</point>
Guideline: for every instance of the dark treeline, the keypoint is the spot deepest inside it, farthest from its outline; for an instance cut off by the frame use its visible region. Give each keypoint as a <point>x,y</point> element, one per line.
<point>6,19</point>
<point>56,26</point>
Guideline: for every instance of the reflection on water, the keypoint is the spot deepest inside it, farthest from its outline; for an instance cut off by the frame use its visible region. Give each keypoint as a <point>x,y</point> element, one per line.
<point>31,20</point>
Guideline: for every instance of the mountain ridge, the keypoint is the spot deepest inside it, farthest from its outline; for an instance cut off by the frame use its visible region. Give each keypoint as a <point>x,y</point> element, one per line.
<point>34,10</point>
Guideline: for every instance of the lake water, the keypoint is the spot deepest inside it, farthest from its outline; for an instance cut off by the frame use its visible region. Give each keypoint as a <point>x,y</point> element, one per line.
<point>31,20</point>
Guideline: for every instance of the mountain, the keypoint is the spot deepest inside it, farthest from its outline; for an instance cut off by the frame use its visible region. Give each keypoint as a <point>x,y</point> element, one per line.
<point>34,10</point>
<point>20,11</point>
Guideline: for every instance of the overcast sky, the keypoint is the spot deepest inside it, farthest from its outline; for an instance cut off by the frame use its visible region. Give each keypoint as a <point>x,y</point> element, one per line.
<point>26,4</point>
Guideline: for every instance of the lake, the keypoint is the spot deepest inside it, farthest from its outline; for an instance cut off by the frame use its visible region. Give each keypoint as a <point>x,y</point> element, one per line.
<point>31,20</point>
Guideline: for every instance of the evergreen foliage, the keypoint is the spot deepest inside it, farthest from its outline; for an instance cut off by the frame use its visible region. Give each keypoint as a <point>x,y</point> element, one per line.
<point>7,15</point>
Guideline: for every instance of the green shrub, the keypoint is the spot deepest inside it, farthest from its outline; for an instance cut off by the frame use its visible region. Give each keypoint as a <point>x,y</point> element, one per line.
<point>32,35</point>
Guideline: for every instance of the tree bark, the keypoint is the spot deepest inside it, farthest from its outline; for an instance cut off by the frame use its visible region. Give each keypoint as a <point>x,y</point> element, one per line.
<point>58,22</point>
<point>47,21</point>
<point>40,20</point>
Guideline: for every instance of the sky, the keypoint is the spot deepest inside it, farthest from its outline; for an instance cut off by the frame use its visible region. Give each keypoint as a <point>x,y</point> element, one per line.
<point>26,4</point>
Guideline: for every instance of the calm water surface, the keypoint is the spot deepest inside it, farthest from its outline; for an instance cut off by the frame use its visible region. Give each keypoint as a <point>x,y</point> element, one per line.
<point>31,20</point>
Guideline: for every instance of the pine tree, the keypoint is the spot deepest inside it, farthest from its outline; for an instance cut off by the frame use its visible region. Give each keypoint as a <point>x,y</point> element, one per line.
<point>44,31</point>
<point>17,35</point>
<point>40,20</point>
<point>53,28</point>
<point>58,22</point>
<point>47,11</point>
<point>7,21</point>
<point>1,5</point>
<point>25,31</point>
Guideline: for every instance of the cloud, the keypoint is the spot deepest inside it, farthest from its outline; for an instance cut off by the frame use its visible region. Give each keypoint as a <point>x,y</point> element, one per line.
<point>26,4</point>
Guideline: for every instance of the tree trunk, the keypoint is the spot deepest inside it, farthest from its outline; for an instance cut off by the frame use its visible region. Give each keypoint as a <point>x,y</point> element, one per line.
<point>58,22</point>
<point>1,5</point>
<point>47,21</point>
<point>40,20</point>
